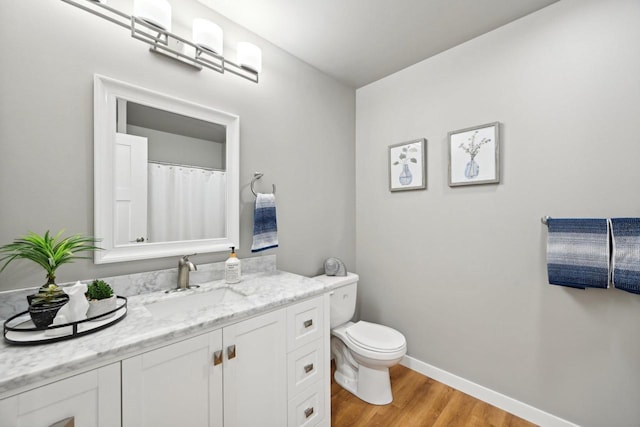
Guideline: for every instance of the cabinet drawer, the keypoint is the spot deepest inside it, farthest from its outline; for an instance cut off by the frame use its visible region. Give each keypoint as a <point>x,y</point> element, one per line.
<point>90,399</point>
<point>305,366</point>
<point>304,323</point>
<point>307,409</point>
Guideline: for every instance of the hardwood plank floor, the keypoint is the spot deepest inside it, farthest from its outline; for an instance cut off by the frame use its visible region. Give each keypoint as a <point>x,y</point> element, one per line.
<point>418,401</point>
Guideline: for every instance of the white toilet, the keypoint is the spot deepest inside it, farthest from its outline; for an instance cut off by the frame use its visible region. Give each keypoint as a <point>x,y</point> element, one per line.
<point>363,351</point>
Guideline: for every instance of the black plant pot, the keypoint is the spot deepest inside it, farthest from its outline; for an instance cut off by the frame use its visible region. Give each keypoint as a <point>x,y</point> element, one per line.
<point>42,315</point>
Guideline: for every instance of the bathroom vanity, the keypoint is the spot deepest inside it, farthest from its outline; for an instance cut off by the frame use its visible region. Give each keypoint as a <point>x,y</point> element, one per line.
<point>255,353</point>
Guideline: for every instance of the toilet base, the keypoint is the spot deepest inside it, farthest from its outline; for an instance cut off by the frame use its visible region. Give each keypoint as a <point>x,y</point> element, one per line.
<point>345,382</point>
<point>372,385</point>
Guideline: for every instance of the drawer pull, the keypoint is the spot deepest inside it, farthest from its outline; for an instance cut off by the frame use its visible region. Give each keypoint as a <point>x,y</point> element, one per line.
<point>308,412</point>
<point>67,422</point>
<point>231,352</point>
<point>308,368</point>
<point>217,358</point>
<point>308,323</point>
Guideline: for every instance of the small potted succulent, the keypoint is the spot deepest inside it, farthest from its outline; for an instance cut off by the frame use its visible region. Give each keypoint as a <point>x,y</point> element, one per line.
<point>101,299</point>
<point>50,252</point>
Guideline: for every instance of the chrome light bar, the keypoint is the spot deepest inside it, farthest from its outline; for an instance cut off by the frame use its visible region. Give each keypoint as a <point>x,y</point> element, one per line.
<point>165,43</point>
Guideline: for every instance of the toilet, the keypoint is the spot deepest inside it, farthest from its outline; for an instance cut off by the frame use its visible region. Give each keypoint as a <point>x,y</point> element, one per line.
<point>363,351</point>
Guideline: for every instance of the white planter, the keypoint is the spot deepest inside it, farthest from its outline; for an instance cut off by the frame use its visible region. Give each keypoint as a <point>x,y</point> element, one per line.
<point>98,307</point>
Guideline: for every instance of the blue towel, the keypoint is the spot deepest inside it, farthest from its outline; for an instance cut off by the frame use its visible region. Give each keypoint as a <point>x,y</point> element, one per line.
<point>578,252</point>
<point>626,254</point>
<point>265,228</point>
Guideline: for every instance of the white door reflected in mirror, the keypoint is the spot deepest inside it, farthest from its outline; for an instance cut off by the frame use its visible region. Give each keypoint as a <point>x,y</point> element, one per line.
<point>131,189</point>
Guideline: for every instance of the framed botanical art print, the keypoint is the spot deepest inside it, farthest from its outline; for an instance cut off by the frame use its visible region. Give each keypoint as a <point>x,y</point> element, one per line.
<point>407,169</point>
<point>474,155</point>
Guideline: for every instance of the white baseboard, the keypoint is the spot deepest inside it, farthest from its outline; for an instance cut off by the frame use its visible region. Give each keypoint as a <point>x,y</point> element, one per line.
<point>494,398</point>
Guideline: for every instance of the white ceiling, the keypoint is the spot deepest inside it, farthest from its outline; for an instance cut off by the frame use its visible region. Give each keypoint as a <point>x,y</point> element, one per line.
<point>361,41</point>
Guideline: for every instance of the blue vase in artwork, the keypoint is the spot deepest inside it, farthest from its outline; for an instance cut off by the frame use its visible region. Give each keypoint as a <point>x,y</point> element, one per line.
<point>405,176</point>
<point>472,169</point>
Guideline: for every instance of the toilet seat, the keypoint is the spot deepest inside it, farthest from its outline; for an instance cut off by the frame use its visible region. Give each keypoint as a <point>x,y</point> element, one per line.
<point>375,337</point>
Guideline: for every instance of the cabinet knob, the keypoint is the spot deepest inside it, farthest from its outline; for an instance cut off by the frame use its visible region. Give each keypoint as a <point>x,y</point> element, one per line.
<point>67,422</point>
<point>308,323</point>
<point>308,412</point>
<point>217,358</point>
<point>231,352</point>
<point>308,368</point>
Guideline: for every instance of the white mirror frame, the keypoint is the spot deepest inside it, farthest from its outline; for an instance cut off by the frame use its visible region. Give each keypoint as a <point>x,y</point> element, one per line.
<point>106,93</point>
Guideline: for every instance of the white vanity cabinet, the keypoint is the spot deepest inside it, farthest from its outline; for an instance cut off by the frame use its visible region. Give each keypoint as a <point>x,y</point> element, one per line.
<point>270,370</point>
<point>255,371</point>
<point>237,376</point>
<point>90,399</point>
<point>176,385</point>
<point>308,369</point>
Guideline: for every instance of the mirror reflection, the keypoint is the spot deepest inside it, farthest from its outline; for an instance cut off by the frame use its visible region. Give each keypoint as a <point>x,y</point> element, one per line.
<point>166,174</point>
<point>170,175</point>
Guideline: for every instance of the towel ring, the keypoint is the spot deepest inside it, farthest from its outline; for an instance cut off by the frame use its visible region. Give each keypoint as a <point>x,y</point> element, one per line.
<point>257,176</point>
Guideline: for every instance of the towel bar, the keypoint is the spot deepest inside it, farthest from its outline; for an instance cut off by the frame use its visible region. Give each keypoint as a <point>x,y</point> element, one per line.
<point>544,219</point>
<point>257,176</point>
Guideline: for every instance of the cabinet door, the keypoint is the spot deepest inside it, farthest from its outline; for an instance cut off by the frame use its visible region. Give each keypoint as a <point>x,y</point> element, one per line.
<point>176,385</point>
<point>91,399</point>
<point>255,390</point>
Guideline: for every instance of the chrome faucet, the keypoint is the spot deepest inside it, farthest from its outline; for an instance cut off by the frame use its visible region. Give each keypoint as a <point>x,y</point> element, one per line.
<point>184,267</point>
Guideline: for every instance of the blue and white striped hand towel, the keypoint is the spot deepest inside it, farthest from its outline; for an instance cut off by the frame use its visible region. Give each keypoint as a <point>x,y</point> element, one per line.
<point>265,228</point>
<point>578,252</point>
<point>626,254</point>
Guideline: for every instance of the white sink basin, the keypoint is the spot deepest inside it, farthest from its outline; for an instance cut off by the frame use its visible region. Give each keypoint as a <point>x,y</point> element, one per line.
<point>181,303</point>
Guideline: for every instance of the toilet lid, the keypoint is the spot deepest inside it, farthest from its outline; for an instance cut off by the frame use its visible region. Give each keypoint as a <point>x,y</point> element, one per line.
<point>375,337</point>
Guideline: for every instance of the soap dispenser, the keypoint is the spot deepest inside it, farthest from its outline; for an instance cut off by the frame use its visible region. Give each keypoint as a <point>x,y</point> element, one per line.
<point>232,271</point>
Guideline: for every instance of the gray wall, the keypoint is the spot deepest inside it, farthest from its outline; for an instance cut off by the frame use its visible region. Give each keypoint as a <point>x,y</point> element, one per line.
<point>297,126</point>
<point>181,149</point>
<point>461,271</point>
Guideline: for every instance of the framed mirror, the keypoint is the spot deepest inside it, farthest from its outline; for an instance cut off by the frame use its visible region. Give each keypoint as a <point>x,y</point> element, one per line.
<point>166,174</point>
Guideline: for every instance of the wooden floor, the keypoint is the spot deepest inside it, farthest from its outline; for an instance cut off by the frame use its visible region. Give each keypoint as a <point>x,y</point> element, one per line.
<point>418,401</point>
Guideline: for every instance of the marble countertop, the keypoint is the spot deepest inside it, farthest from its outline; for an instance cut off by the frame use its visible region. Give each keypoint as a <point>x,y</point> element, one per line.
<point>25,366</point>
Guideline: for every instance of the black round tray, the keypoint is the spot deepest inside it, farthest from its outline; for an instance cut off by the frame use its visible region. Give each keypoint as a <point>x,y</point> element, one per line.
<point>20,330</point>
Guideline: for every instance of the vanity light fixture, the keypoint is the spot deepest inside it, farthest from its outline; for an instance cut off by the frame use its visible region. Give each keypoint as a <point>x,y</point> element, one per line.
<point>155,12</point>
<point>151,24</point>
<point>250,56</point>
<point>207,35</point>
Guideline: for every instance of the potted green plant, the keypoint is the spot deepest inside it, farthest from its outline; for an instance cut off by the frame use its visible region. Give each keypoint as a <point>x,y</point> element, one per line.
<point>49,252</point>
<point>44,305</point>
<point>101,299</point>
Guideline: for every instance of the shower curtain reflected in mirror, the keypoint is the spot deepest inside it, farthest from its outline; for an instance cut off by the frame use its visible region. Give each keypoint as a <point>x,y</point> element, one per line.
<point>185,203</point>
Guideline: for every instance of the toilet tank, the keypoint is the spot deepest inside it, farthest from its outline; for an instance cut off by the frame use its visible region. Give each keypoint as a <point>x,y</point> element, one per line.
<point>343,290</point>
